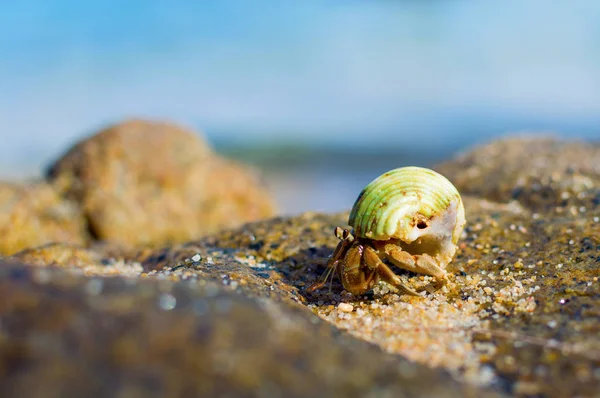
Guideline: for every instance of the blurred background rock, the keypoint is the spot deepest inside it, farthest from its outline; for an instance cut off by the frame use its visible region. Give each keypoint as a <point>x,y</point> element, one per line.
<point>321,95</point>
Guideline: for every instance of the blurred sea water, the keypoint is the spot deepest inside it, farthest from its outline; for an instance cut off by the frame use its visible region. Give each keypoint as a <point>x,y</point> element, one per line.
<point>321,95</point>
<point>327,180</point>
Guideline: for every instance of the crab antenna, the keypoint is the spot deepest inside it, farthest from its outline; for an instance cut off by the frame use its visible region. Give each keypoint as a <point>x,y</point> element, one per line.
<point>330,275</point>
<point>331,266</point>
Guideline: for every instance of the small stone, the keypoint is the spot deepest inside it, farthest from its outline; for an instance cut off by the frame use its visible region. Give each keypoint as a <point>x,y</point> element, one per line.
<point>345,307</point>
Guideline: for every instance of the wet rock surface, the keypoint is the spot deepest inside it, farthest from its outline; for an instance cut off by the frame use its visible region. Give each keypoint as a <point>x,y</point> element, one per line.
<point>521,316</point>
<point>34,214</point>
<point>142,182</point>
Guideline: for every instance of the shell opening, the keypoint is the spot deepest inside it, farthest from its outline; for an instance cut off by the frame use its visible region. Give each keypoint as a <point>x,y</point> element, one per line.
<point>434,237</point>
<point>440,227</point>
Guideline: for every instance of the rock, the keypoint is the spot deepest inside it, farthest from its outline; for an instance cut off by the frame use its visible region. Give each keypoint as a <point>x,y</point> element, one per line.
<point>540,172</point>
<point>141,182</point>
<point>520,315</point>
<point>272,259</point>
<point>68,336</point>
<point>99,262</point>
<point>34,214</point>
<point>59,255</point>
<point>229,313</point>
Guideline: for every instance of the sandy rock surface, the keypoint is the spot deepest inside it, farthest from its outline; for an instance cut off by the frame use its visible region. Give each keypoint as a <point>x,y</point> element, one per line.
<point>229,314</point>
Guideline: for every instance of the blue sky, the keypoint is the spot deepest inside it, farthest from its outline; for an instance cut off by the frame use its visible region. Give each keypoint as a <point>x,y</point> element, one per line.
<point>323,72</point>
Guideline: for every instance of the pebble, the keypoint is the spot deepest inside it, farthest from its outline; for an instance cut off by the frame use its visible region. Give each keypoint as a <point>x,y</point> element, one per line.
<point>345,307</point>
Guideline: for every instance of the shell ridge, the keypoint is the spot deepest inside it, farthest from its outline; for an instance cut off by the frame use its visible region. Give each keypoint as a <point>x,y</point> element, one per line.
<point>367,201</point>
<point>428,202</point>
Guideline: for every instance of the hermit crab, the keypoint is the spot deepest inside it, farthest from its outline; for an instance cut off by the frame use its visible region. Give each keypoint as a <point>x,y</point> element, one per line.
<point>409,217</point>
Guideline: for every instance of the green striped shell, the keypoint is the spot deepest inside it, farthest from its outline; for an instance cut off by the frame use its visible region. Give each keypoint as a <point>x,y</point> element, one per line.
<point>408,203</point>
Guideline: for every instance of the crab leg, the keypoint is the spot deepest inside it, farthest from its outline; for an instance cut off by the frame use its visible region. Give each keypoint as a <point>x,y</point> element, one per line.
<point>340,251</point>
<point>420,263</point>
<point>372,261</point>
<point>356,278</point>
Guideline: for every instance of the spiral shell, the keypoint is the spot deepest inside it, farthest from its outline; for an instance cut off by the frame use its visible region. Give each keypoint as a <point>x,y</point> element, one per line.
<point>407,203</point>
